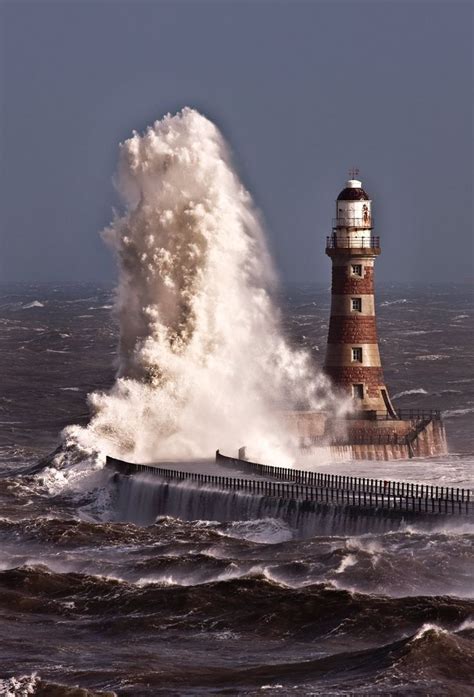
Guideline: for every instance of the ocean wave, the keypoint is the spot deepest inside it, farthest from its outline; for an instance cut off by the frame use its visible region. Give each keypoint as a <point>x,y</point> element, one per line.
<point>432,357</point>
<point>35,303</point>
<point>451,413</point>
<point>441,392</point>
<point>226,604</point>
<point>361,565</point>
<point>394,302</point>
<point>263,530</point>
<point>405,393</point>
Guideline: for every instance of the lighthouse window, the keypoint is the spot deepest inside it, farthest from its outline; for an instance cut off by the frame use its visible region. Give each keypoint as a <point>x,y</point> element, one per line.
<point>357,354</point>
<point>357,304</point>
<point>356,269</point>
<point>358,391</point>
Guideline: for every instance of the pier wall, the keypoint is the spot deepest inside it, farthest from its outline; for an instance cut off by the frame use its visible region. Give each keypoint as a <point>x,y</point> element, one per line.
<point>310,502</point>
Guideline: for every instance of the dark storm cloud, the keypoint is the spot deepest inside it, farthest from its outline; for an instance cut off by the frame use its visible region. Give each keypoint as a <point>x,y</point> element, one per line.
<point>301,90</point>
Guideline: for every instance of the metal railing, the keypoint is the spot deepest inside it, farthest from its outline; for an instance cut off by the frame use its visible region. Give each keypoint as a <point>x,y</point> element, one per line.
<point>364,223</point>
<point>401,414</point>
<point>418,414</point>
<point>348,483</point>
<point>351,242</point>
<point>332,492</point>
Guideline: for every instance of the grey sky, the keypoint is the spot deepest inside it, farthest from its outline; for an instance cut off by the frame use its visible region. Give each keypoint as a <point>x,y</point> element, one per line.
<point>302,91</point>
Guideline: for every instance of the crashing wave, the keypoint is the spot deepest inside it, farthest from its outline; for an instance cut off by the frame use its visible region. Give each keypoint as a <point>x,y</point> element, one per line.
<point>203,361</point>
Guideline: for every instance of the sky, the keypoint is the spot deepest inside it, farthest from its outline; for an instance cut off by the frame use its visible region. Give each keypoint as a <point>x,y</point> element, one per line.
<point>302,91</point>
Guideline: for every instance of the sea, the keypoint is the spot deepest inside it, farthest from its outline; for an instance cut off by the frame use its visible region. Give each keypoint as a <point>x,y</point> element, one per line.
<point>94,605</point>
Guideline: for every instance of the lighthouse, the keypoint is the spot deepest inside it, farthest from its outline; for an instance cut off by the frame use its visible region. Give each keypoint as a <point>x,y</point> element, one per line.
<point>352,355</point>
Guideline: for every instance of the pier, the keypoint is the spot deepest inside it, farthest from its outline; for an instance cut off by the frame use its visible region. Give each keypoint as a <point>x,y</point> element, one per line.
<point>301,497</point>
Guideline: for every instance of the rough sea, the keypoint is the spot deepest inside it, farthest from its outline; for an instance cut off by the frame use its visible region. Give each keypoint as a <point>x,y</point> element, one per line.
<point>91,605</point>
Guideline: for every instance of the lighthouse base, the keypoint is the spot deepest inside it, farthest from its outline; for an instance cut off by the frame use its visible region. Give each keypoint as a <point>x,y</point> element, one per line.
<point>419,434</point>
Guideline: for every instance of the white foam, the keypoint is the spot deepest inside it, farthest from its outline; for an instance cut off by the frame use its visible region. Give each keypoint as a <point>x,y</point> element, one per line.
<point>264,531</point>
<point>346,562</point>
<point>429,627</point>
<point>467,624</point>
<point>19,687</point>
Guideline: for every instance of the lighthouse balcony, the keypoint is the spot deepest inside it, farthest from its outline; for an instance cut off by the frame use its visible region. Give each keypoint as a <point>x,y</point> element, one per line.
<point>352,244</point>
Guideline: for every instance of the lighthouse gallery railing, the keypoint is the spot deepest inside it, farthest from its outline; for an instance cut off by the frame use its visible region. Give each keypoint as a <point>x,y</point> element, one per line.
<point>350,241</point>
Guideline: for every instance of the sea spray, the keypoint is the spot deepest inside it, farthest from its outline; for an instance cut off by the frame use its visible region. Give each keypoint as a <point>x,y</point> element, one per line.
<point>203,362</point>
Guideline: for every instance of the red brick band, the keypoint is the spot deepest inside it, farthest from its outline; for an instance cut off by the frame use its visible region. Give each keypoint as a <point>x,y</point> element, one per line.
<point>343,283</point>
<point>372,378</point>
<point>345,329</point>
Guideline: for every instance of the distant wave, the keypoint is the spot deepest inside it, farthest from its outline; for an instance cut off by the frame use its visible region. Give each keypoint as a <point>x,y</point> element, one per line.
<point>451,413</point>
<point>394,302</point>
<point>35,303</point>
<point>432,357</point>
<point>419,332</point>
<point>418,390</point>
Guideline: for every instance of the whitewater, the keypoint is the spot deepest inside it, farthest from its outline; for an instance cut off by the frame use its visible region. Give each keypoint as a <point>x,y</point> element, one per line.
<point>203,362</point>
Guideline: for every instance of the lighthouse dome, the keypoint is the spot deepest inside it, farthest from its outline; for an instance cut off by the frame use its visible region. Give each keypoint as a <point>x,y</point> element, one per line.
<point>353,191</point>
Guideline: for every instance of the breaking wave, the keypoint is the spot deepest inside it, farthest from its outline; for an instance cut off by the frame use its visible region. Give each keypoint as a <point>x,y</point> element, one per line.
<point>203,362</point>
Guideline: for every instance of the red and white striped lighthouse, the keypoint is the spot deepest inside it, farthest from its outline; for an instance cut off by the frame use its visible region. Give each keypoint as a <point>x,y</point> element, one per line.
<point>352,356</point>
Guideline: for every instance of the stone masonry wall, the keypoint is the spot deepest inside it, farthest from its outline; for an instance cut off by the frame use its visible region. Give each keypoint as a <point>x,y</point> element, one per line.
<point>371,377</point>
<point>350,330</point>
<point>344,283</point>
